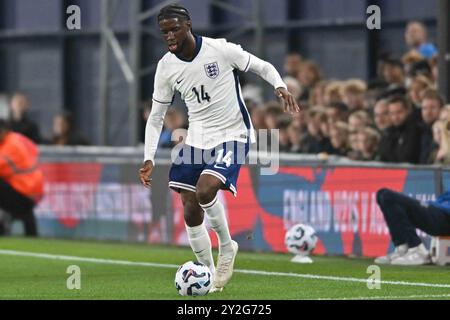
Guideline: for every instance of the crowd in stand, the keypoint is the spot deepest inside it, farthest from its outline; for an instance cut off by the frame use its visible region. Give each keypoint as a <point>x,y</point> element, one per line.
<point>397,117</point>
<point>63,131</point>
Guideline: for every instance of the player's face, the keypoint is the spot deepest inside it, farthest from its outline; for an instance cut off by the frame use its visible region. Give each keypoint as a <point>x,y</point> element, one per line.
<point>174,31</point>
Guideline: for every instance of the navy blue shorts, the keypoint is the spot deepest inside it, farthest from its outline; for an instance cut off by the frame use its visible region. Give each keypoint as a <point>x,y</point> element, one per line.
<point>223,162</point>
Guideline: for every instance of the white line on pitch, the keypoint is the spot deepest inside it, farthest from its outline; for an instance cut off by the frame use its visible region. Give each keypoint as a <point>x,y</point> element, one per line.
<point>391,297</point>
<point>245,271</point>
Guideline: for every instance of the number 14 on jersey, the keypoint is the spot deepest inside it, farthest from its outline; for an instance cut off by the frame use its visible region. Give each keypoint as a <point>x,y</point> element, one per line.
<point>203,94</point>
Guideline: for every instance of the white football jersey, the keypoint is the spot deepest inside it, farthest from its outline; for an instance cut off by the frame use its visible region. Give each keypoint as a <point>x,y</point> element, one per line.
<point>209,86</point>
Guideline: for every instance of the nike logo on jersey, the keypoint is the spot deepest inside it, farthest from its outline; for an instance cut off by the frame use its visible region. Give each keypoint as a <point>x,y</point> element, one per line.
<point>178,82</point>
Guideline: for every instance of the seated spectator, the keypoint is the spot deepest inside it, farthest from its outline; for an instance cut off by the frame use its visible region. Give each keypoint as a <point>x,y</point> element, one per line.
<point>339,138</point>
<point>444,115</point>
<point>375,88</point>
<point>283,123</point>
<point>332,92</point>
<point>316,98</point>
<point>336,111</point>
<point>432,104</point>
<point>21,180</point>
<point>381,115</point>
<point>368,140</point>
<point>403,215</point>
<point>292,64</point>
<point>416,39</point>
<point>419,85</point>
<point>308,76</point>
<point>353,142</point>
<point>64,133</point>
<point>411,58</point>
<point>421,68</point>
<point>402,140</point>
<point>272,111</point>
<point>394,75</point>
<point>19,120</point>
<point>299,120</point>
<point>258,118</point>
<point>441,153</point>
<point>315,141</point>
<point>352,93</point>
<point>296,137</point>
<point>359,120</point>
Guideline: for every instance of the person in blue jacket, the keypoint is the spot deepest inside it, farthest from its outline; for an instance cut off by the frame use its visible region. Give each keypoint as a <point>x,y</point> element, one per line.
<point>403,215</point>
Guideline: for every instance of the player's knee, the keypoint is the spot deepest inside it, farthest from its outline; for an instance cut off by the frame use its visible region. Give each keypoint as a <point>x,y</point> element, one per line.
<point>205,194</point>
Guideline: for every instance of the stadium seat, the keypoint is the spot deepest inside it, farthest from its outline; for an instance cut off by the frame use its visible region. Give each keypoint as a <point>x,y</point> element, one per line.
<point>440,250</point>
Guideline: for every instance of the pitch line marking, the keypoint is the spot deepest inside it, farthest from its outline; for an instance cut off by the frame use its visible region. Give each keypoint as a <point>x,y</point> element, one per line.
<point>244,271</point>
<point>391,297</point>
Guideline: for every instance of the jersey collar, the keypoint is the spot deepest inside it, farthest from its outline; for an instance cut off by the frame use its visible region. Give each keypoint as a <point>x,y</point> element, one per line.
<point>198,46</point>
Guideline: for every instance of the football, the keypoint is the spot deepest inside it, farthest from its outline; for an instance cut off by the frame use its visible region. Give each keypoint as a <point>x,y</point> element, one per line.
<point>301,239</point>
<point>193,279</point>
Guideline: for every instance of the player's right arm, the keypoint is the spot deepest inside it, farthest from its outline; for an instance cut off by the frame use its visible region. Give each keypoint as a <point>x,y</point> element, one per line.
<point>161,100</point>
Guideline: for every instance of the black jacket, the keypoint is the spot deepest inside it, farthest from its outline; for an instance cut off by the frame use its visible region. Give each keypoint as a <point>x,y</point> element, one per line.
<point>27,128</point>
<point>402,143</point>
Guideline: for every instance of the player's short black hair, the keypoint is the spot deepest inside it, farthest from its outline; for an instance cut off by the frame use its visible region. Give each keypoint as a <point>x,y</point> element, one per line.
<point>173,11</point>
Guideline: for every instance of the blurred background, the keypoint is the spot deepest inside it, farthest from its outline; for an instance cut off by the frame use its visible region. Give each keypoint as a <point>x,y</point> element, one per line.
<point>92,86</point>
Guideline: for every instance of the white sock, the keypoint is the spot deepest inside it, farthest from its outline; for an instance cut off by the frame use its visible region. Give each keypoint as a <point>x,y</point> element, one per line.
<point>216,217</point>
<point>201,245</point>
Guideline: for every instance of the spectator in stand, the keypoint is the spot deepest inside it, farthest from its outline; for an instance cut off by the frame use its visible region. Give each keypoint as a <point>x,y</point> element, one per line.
<point>416,39</point>
<point>64,133</point>
<point>352,93</point>
<point>432,104</point>
<point>21,180</point>
<point>368,140</point>
<point>272,111</point>
<point>308,76</point>
<point>419,85</point>
<point>402,140</point>
<point>409,59</point>
<point>258,118</point>
<point>358,120</point>
<point>315,142</point>
<point>445,113</point>
<point>19,120</point>
<point>292,64</point>
<point>353,153</point>
<point>336,111</point>
<point>339,138</point>
<point>317,95</point>
<point>296,137</point>
<point>441,153</point>
<point>394,75</point>
<point>381,115</point>
<point>283,123</point>
<point>332,92</point>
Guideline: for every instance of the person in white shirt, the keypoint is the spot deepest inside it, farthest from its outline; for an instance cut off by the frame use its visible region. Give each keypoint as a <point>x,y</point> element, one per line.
<point>203,71</point>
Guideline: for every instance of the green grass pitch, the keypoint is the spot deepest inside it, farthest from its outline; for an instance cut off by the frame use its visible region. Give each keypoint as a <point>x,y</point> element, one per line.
<point>114,273</point>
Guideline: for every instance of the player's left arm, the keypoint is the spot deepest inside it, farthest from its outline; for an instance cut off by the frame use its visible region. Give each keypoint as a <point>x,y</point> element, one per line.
<point>246,61</point>
<point>268,72</point>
